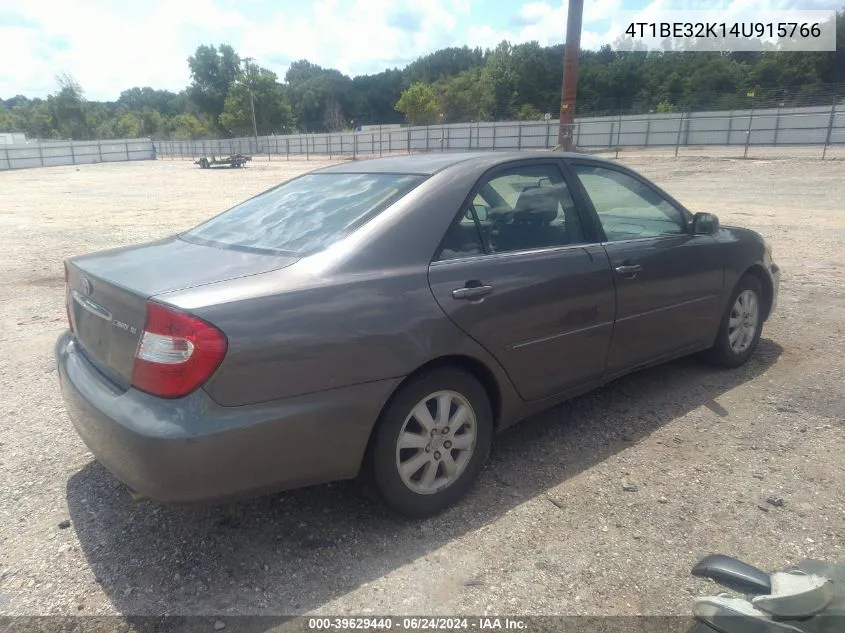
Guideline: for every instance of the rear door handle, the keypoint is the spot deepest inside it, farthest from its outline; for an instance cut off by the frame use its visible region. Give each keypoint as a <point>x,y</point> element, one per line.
<point>471,292</point>
<point>629,270</point>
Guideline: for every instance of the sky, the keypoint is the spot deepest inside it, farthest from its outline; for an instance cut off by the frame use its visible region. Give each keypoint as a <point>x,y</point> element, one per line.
<point>112,45</point>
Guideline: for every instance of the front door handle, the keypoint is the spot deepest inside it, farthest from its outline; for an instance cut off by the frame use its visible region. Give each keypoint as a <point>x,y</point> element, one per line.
<point>629,269</point>
<point>471,292</point>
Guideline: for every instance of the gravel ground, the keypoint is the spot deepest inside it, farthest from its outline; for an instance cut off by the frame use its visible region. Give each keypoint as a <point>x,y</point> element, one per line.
<point>548,530</point>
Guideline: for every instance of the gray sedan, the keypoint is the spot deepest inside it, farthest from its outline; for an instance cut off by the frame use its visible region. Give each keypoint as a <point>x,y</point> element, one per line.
<point>390,316</point>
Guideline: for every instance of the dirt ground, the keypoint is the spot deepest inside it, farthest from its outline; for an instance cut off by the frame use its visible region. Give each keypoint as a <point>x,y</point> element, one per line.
<point>548,529</point>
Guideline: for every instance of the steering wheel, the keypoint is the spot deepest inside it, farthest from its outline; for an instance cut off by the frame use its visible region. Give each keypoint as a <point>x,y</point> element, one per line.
<point>498,218</point>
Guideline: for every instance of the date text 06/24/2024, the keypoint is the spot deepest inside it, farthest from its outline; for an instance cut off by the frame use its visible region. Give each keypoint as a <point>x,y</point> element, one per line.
<point>417,624</point>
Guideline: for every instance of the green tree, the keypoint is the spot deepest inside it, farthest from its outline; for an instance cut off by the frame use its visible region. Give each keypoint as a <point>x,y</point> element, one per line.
<point>67,107</point>
<point>499,74</point>
<point>164,102</point>
<point>187,127</point>
<point>7,119</point>
<point>273,113</point>
<point>447,62</point>
<point>321,98</point>
<point>466,97</point>
<point>128,126</point>
<point>213,72</point>
<point>419,104</point>
<point>33,119</point>
<point>528,113</point>
<point>375,97</point>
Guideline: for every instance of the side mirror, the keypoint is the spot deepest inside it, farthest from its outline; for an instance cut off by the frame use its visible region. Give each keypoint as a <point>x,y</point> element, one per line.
<point>705,224</point>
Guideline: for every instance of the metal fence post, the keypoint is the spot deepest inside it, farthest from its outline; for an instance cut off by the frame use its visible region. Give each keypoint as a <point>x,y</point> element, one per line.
<point>100,151</point>
<point>610,138</point>
<point>469,143</point>
<point>494,134</point>
<point>8,160</point>
<point>287,148</point>
<point>409,139</point>
<point>307,148</point>
<point>619,132</point>
<point>519,135</point>
<point>72,154</point>
<point>548,131</point>
<point>125,146</point>
<point>829,128</point>
<point>426,138</point>
<point>777,127</point>
<point>748,133</point>
<point>329,147</point>
<point>379,140</point>
<point>647,129</point>
<point>618,136</point>
<point>680,128</point>
<point>730,126</point>
<point>354,147</point>
<point>40,153</point>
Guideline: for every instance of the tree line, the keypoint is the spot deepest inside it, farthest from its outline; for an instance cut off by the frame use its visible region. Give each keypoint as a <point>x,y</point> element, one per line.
<point>456,84</point>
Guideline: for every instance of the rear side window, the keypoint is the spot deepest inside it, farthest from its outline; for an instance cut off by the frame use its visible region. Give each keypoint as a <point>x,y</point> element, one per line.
<point>305,214</point>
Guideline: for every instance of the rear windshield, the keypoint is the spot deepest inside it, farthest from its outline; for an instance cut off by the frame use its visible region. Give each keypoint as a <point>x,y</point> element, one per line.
<point>305,214</point>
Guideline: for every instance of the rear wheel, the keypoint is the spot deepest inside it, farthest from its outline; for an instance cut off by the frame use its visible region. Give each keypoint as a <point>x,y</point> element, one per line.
<point>432,442</point>
<point>742,325</point>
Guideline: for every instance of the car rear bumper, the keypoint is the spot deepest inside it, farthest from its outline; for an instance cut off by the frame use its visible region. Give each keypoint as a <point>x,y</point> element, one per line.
<point>193,450</point>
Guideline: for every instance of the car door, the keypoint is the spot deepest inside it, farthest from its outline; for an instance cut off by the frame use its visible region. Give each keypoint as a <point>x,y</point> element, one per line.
<point>668,281</point>
<point>522,273</point>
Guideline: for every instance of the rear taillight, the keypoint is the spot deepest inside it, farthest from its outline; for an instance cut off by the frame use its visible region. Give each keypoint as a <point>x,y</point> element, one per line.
<point>68,298</point>
<point>177,352</point>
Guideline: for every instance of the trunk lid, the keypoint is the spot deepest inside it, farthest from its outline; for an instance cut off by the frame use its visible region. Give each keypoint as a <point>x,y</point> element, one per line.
<point>108,292</point>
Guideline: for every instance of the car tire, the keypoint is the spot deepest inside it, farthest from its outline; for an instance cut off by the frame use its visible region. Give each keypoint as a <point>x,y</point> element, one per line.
<point>741,326</point>
<point>449,459</point>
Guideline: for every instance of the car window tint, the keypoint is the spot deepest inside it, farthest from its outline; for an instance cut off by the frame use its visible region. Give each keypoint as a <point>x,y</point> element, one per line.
<point>535,210</point>
<point>626,207</point>
<point>305,214</point>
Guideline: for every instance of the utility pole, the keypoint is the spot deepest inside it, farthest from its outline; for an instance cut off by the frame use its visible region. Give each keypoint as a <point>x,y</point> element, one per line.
<point>569,82</point>
<point>251,98</point>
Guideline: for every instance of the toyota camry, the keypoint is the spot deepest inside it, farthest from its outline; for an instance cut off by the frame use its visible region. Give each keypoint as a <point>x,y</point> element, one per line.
<point>390,316</point>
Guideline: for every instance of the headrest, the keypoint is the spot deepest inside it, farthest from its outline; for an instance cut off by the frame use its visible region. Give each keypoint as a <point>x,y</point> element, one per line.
<point>537,205</point>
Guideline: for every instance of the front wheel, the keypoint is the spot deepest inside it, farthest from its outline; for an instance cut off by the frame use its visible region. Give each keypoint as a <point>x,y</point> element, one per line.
<point>432,442</point>
<point>742,325</point>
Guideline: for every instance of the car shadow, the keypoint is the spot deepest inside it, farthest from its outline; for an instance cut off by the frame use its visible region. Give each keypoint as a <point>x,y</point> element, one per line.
<point>290,553</point>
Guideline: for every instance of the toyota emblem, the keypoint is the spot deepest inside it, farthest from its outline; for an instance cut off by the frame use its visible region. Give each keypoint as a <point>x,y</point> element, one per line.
<point>86,286</point>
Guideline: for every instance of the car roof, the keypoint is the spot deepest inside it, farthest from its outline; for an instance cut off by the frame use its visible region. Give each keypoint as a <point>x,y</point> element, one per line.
<point>431,163</point>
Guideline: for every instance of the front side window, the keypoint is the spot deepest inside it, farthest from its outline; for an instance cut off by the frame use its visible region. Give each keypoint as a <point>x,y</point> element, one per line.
<point>305,214</point>
<point>526,208</point>
<point>628,208</point>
